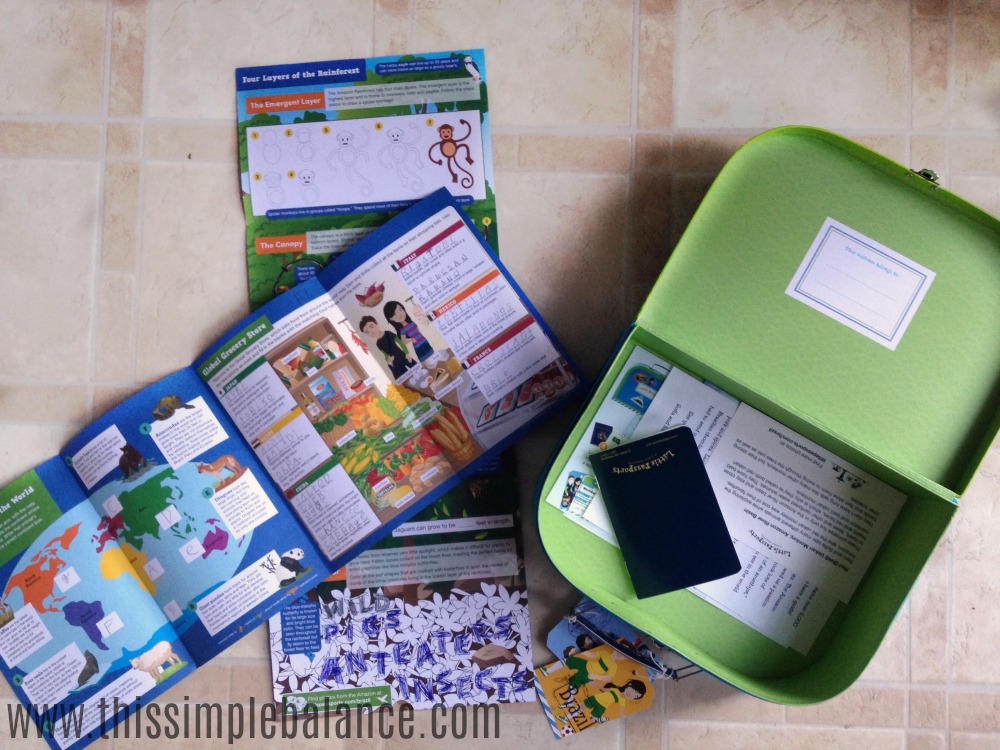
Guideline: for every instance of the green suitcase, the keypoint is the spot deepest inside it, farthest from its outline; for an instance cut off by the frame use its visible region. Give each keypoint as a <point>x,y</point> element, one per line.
<point>919,417</point>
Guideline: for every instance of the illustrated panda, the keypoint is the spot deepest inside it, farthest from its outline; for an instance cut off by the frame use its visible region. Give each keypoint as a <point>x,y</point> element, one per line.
<point>290,566</point>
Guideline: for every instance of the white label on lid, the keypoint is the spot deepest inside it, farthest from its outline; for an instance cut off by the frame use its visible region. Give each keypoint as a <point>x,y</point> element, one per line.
<point>861,283</point>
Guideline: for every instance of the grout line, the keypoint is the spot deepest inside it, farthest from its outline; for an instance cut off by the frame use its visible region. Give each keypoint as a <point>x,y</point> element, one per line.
<point>412,13</point>
<point>948,102</point>
<point>140,196</point>
<point>950,593</point>
<point>102,186</point>
<point>908,135</point>
<point>626,301</point>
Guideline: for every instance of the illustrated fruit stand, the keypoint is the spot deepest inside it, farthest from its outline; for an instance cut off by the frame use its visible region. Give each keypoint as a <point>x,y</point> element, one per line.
<point>395,446</point>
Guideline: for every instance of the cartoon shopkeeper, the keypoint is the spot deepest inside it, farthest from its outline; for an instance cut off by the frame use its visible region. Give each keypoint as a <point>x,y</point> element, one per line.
<point>387,342</point>
<point>396,314</point>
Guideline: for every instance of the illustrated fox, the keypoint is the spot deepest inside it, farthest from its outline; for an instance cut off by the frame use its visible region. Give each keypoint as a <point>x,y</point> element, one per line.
<point>217,466</point>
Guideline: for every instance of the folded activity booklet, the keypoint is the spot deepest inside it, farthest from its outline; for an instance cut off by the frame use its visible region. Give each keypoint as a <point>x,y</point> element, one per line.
<point>329,150</point>
<point>201,506</point>
<point>805,523</point>
<point>590,688</point>
<point>435,614</point>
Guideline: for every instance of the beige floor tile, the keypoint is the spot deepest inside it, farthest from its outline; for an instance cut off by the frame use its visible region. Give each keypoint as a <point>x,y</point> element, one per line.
<point>591,211</point>
<point>43,245</point>
<point>929,628</point>
<point>121,215</point>
<point>930,152</point>
<point>892,660</point>
<point>505,151</point>
<point>656,70</point>
<point>574,153</point>
<point>654,152</point>
<point>253,646</point>
<point>57,50</point>
<point>705,153</point>
<point>24,446</point>
<point>191,287</point>
<point>704,698</point>
<point>651,211</point>
<point>251,681</point>
<point>968,710</point>
<point>970,155</point>
<point>931,8</point>
<point>646,730</point>
<point>181,85</point>
<point>653,220</point>
<point>925,741</point>
<point>930,72</point>
<point>34,402</point>
<point>974,623</point>
<point>928,708</point>
<point>124,140</point>
<point>758,64</point>
<point>128,52</point>
<point>46,139</point>
<point>392,32</point>
<point>115,351</point>
<point>205,142</point>
<point>892,146</point>
<point>981,191</point>
<point>108,397</point>
<point>207,684</point>
<point>969,741</point>
<point>975,63</point>
<point>859,706</point>
<point>975,7</point>
<point>701,736</point>
<point>573,55</point>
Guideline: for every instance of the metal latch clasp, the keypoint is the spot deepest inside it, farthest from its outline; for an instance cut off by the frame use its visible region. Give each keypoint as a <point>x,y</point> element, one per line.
<point>928,174</point>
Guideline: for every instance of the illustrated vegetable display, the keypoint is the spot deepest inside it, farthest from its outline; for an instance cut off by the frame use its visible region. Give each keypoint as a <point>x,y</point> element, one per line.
<point>393,448</point>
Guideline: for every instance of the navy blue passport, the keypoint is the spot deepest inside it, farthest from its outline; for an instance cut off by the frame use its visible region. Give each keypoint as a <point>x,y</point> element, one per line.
<point>664,513</point>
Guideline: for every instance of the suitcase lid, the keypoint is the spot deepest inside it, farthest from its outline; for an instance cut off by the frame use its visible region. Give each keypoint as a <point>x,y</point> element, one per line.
<point>929,408</point>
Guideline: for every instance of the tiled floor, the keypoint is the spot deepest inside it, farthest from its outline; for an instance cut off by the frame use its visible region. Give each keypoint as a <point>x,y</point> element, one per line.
<point>121,244</point>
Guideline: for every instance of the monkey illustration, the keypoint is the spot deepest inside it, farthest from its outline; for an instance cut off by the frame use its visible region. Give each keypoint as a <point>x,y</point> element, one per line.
<point>350,153</point>
<point>449,146</point>
<point>397,151</point>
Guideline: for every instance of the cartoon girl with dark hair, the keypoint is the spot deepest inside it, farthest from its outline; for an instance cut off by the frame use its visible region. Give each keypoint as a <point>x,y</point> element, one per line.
<point>610,694</point>
<point>396,314</point>
<point>387,342</point>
